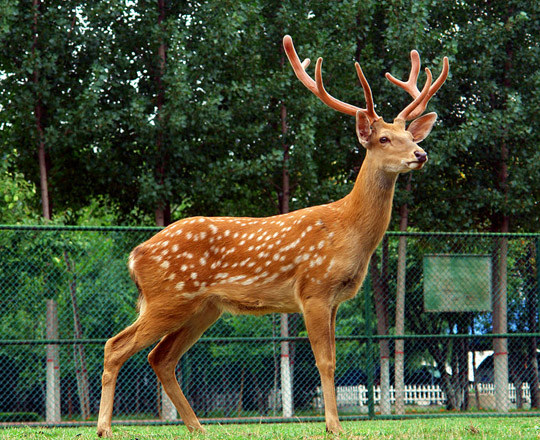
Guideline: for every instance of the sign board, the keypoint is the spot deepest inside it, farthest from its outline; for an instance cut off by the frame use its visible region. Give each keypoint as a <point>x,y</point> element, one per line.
<point>457,283</point>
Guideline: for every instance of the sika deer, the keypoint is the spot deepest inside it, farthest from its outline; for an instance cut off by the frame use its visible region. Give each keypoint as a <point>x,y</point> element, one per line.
<point>308,261</point>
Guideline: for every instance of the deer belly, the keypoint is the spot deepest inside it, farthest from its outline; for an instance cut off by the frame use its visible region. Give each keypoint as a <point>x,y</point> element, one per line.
<point>259,300</point>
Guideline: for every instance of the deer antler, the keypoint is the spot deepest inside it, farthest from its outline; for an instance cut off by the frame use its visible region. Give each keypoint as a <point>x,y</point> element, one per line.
<point>417,107</point>
<point>317,87</point>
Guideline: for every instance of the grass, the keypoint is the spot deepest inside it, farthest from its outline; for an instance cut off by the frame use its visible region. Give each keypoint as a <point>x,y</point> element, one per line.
<point>448,428</point>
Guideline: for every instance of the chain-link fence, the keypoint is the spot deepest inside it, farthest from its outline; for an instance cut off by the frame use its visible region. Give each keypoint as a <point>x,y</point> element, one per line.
<point>444,322</point>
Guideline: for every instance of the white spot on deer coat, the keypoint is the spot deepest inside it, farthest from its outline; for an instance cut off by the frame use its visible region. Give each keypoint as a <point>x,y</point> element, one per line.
<point>271,278</point>
<point>180,285</point>
<point>302,257</point>
<point>190,295</point>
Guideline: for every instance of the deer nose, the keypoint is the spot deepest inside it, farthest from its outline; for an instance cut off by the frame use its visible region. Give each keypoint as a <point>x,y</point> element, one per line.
<point>420,156</point>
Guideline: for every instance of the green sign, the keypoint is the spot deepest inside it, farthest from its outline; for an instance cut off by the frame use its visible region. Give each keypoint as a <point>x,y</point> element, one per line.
<point>457,283</point>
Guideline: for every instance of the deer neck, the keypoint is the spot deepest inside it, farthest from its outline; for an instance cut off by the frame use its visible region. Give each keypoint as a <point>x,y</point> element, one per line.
<point>367,208</point>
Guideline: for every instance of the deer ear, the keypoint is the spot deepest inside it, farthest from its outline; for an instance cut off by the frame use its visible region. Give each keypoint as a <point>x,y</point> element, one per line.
<point>421,127</point>
<point>363,127</point>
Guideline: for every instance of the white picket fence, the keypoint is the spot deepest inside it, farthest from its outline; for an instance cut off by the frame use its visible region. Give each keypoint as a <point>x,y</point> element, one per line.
<point>421,395</point>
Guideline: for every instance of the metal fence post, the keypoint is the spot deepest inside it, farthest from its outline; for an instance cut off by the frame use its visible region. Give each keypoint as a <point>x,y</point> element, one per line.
<point>52,405</point>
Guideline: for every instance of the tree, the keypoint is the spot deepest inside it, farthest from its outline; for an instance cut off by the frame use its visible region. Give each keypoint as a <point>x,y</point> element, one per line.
<point>44,58</point>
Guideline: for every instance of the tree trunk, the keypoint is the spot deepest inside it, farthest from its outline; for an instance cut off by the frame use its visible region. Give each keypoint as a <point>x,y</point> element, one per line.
<point>463,365</point>
<point>400,308</point>
<point>52,406</point>
<point>380,294</point>
<point>83,383</point>
<point>500,223</point>
<point>163,208</point>
<point>500,345</point>
<point>286,361</point>
<point>440,354</point>
<point>38,120</point>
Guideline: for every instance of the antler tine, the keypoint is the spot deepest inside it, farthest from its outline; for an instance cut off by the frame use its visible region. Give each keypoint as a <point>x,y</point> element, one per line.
<point>328,99</point>
<point>370,108</point>
<point>432,90</point>
<point>317,86</point>
<point>405,114</point>
<point>411,87</point>
<point>298,67</point>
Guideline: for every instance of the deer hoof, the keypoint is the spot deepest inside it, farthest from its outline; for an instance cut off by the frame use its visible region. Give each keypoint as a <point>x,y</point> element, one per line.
<point>104,432</point>
<point>196,428</point>
<point>334,428</point>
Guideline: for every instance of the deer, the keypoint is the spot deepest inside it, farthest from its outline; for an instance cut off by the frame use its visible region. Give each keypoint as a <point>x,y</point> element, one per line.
<point>309,260</point>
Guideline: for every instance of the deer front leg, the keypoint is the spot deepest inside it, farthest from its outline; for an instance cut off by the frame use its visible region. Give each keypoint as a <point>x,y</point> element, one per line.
<point>319,317</point>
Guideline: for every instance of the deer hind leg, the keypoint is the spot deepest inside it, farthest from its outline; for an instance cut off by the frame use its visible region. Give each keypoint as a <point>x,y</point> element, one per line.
<point>142,333</point>
<point>320,323</point>
<point>165,356</point>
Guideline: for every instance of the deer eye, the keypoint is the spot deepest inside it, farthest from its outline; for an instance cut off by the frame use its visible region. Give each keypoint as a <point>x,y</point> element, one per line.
<point>384,140</point>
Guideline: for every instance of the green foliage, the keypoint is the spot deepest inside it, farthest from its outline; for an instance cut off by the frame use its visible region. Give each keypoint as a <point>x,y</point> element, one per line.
<point>18,195</point>
<point>215,143</point>
<point>19,417</point>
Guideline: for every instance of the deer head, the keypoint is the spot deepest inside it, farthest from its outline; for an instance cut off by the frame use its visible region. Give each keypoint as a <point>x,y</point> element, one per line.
<point>393,145</point>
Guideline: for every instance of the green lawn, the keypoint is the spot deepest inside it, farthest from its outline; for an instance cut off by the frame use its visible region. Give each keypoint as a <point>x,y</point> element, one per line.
<point>457,428</point>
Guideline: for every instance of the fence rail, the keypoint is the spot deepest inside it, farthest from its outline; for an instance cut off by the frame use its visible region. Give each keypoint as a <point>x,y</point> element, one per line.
<point>50,362</point>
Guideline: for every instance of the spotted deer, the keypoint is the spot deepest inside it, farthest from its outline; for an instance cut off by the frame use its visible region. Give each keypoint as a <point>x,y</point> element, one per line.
<point>308,261</point>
